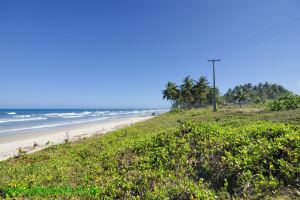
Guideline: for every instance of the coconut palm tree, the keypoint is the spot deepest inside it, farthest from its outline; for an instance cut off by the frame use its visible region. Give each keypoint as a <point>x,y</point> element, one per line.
<point>171,93</point>
<point>187,91</point>
<point>200,91</point>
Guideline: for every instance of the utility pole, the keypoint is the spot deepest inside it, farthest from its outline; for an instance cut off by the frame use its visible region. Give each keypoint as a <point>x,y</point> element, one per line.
<point>214,78</point>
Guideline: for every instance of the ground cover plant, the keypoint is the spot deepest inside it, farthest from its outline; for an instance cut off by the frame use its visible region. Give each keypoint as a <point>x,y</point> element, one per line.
<point>186,154</point>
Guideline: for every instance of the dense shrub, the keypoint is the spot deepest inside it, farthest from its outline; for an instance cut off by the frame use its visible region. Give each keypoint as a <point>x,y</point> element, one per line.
<point>251,161</point>
<point>288,102</point>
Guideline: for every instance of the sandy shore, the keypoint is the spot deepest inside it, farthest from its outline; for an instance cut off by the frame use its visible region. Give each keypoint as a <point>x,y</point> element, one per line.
<point>10,144</point>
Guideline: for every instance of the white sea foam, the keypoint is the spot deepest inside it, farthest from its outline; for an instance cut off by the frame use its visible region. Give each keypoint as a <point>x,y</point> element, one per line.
<point>21,120</point>
<point>98,113</point>
<point>59,114</point>
<point>64,115</point>
<point>11,113</point>
<point>22,116</point>
<point>71,117</point>
<point>136,112</point>
<point>52,125</point>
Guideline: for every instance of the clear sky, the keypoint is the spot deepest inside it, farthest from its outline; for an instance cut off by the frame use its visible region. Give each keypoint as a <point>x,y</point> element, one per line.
<point>120,53</point>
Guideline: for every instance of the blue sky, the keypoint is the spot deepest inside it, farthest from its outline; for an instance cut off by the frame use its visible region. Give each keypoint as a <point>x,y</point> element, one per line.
<point>120,54</point>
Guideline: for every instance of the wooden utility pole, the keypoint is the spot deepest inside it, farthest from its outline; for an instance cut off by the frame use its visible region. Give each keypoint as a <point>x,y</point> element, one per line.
<point>214,79</point>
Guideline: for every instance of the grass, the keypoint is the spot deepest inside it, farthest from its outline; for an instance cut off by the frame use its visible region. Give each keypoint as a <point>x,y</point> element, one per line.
<point>171,156</point>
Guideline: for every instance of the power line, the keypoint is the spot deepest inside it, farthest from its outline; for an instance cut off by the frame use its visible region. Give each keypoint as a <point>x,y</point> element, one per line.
<point>261,74</point>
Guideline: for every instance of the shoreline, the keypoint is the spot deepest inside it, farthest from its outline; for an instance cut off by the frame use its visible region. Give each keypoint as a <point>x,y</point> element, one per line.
<point>10,144</point>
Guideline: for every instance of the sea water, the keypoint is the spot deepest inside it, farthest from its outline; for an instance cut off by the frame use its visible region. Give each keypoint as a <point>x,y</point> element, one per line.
<point>14,121</point>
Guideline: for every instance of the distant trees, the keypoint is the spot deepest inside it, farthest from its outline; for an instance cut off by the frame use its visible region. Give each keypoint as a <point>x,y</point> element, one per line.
<point>254,94</point>
<point>240,95</point>
<point>190,94</point>
<point>197,94</point>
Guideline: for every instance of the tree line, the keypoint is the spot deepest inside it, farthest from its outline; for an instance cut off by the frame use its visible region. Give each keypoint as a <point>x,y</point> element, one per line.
<point>197,94</point>
<point>190,94</point>
<point>259,93</point>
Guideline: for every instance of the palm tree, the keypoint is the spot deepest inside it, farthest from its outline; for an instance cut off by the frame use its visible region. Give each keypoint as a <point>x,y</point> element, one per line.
<point>171,93</point>
<point>240,95</point>
<point>187,91</point>
<point>201,90</point>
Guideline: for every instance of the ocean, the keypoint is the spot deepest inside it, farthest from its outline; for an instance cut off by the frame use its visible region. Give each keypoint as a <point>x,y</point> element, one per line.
<point>14,121</point>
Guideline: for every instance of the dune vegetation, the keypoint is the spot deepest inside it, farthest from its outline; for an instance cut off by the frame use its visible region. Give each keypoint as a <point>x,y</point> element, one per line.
<point>240,153</point>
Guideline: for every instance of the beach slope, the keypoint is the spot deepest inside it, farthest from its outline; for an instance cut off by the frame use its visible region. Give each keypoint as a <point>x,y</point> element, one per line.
<point>13,145</point>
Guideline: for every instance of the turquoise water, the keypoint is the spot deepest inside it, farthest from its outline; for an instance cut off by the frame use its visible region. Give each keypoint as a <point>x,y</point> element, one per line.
<point>14,121</point>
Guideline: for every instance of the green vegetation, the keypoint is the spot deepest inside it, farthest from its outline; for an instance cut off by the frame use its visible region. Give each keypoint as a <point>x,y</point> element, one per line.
<point>191,94</point>
<point>287,102</point>
<point>198,94</point>
<point>247,153</point>
<point>255,94</point>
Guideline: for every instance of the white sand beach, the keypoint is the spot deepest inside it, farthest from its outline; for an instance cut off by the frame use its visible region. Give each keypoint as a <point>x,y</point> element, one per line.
<point>10,144</point>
